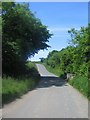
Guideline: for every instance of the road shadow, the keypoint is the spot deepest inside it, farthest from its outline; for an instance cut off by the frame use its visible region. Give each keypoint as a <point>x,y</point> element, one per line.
<point>48,81</point>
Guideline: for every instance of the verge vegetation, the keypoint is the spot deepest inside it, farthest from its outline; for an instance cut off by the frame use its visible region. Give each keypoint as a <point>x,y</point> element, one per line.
<point>23,36</point>
<point>74,60</point>
<point>14,87</point>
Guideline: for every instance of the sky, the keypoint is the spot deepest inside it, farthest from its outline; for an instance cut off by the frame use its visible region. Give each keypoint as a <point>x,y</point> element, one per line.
<point>59,17</point>
<point>47,0</point>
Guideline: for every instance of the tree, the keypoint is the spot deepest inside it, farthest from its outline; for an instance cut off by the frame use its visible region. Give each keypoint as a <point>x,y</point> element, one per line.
<point>23,36</point>
<point>81,43</point>
<point>42,59</point>
<point>76,57</point>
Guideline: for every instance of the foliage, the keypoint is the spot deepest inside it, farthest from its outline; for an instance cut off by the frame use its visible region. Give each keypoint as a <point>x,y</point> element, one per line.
<point>53,58</point>
<point>74,59</point>
<point>81,83</point>
<point>15,87</point>
<point>23,36</point>
<point>42,59</point>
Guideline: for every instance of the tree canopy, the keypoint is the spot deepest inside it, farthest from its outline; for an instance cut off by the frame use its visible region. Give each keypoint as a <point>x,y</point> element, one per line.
<point>76,57</point>
<point>23,35</point>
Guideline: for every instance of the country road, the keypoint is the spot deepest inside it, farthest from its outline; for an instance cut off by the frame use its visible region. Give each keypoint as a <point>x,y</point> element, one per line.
<point>52,98</point>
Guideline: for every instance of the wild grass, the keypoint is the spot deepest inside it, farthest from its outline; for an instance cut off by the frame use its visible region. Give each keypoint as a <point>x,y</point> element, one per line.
<point>0,85</point>
<point>56,70</point>
<point>0,92</point>
<point>82,84</point>
<point>79,82</point>
<point>16,87</point>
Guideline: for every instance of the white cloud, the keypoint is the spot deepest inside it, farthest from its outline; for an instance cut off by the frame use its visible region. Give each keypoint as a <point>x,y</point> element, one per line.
<point>58,29</point>
<point>61,29</point>
<point>41,53</point>
<point>60,35</point>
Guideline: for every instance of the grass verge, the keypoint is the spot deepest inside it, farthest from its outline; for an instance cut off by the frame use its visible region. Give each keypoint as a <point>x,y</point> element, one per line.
<point>15,87</point>
<point>56,70</point>
<point>82,84</point>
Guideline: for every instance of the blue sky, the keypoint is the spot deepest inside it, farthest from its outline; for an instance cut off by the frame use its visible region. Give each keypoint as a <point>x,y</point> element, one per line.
<point>59,17</point>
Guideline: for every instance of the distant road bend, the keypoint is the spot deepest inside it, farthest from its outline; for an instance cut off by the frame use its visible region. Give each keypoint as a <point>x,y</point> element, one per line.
<point>53,98</point>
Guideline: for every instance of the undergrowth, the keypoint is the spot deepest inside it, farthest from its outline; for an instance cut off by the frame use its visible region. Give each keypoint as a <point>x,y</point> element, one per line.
<point>13,87</point>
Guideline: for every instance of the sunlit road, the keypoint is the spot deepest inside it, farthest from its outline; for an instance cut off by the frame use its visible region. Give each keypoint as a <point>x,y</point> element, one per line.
<point>52,98</point>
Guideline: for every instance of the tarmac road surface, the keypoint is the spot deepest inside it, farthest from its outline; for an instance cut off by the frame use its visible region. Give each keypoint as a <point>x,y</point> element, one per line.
<point>52,98</point>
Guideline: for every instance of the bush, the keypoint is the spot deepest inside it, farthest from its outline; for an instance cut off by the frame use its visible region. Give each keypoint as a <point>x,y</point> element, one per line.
<point>62,74</point>
<point>83,69</point>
